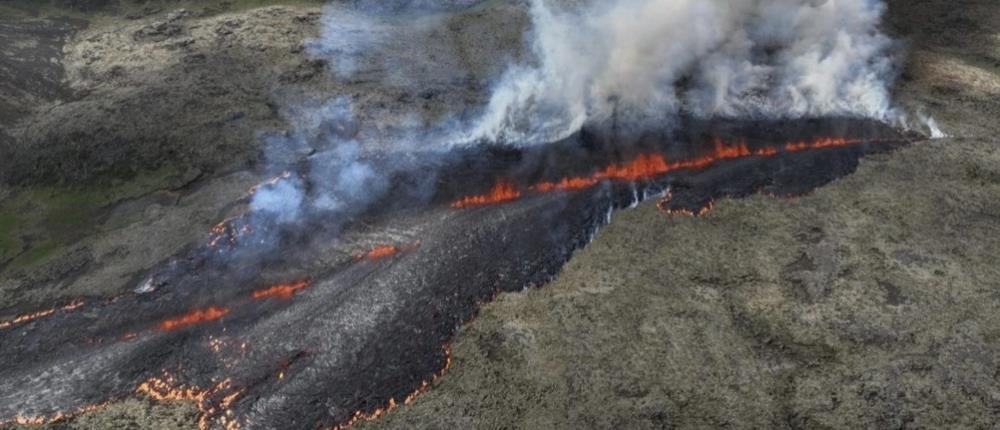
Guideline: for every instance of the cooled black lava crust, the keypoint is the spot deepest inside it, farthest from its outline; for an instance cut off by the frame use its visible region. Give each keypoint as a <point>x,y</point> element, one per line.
<point>367,331</point>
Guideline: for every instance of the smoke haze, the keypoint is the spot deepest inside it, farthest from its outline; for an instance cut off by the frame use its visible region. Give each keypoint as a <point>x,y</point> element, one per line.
<point>630,65</point>
<point>639,62</point>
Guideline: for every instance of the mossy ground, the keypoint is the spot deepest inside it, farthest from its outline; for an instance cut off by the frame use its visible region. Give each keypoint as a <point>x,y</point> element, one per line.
<point>37,222</point>
<point>116,9</point>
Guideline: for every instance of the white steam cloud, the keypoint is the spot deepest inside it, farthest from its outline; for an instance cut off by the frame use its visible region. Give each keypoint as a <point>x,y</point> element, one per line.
<point>338,181</point>
<point>633,64</point>
<point>639,62</point>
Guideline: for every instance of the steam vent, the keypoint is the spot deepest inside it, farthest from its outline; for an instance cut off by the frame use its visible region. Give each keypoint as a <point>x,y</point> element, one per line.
<point>528,214</point>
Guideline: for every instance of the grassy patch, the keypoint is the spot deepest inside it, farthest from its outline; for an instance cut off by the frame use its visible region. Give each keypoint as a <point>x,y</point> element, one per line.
<point>118,8</point>
<point>36,223</point>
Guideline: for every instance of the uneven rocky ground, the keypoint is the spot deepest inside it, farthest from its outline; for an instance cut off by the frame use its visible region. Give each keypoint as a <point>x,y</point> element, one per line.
<point>140,123</point>
<point>870,303</point>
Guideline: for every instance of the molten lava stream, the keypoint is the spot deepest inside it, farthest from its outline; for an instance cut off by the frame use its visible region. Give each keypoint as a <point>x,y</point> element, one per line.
<point>195,317</point>
<point>40,314</point>
<point>650,166</point>
<point>503,191</point>
<point>378,252</point>
<point>385,251</point>
<point>824,143</point>
<point>166,388</point>
<point>392,404</point>
<point>281,291</point>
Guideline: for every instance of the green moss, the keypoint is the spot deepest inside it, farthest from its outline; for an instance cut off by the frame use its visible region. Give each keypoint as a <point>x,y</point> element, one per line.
<point>9,242</point>
<point>118,8</point>
<point>37,223</point>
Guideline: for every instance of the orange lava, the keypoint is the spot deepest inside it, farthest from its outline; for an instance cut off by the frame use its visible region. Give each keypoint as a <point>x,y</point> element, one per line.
<point>225,230</point>
<point>39,314</point>
<point>281,291</point>
<point>33,421</point>
<point>27,317</point>
<point>649,166</point>
<point>165,388</point>
<point>360,416</point>
<point>662,206</point>
<point>665,201</point>
<point>385,251</point>
<point>830,142</point>
<point>503,191</point>
<point>379,252</point>
<point>193,318</point>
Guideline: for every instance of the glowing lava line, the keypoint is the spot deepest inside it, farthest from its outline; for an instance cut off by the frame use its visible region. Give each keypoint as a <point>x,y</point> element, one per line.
<point>385,251</point>
<point>670,212</point>
<point>378,252</point>
<point>281,291</point>
<point>167,389</point>
<point>40,314</point>
<point>824,143</point>
<point>35,421</point>
<point>503,191</point>
<point>193,318</point>
<point>649,166</point>
<point>375,414</point>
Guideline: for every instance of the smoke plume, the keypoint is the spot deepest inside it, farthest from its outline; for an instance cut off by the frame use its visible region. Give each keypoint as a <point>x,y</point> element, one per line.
<point>626,65</point>
<point>640,62</point>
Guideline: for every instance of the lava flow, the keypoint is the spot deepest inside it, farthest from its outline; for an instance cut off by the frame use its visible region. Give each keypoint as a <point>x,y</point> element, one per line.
<point>35,421</point>
<point>167,389</point>
<point>281,291</point>
<point>39,314</point>
<point>392,404</point>
<point>369,337</point>
<point>649,166</point>
<point>503,191</point>
<point>824,143</point>
<point>193,318</point>
<point>662,205</point>
<point>385,251</point>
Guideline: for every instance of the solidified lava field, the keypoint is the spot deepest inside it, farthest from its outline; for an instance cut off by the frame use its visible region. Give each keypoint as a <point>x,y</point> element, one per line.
<point>315,333</point>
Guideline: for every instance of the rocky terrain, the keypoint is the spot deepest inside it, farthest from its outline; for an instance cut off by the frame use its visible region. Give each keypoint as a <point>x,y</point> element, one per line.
<point>870,303</point>
<point>98,183</point>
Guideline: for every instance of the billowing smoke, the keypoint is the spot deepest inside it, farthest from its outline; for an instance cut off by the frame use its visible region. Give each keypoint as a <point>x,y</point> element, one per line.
<point>639,63</point>
<point>281,201</point>
<point>318,171</point>
<point>630,65</point>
